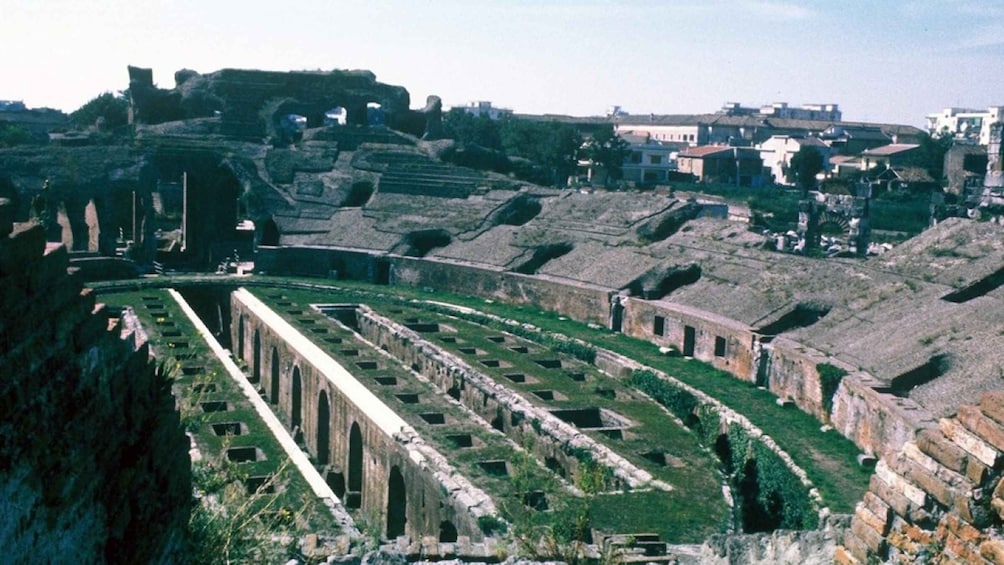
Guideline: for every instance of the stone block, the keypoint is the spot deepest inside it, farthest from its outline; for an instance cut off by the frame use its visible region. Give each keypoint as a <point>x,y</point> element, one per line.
<point>976,471</point>
<point>993,550</point>
<point>842,556</point>
<point>873,522</point>
<point>925,480</point>
<point>877,506</point>
<point>856,548</point>
<point>987,429</point>
<point>895,487</point>
<point>933,442</point>
<point>958,551</point>
<point>871,538</point>
<point>969,441</point>
<point>960,528</point>
<point>992,405</point>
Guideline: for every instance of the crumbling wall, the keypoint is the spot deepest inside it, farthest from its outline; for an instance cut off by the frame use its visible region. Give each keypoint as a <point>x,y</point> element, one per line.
<point>93,462</point>
<point>938,500</point>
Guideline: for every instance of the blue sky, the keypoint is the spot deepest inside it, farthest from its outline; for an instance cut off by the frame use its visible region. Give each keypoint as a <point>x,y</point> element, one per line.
<point>880,60</point>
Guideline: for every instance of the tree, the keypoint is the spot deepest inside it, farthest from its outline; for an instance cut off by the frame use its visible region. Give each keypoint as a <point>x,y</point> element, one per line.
<point>468,129</point>
<point>607,150</point>
<point>805,165</point>
<point>550,145</point>
<point>930,156</point>
<point>113,109</point>
<point>13,134</point>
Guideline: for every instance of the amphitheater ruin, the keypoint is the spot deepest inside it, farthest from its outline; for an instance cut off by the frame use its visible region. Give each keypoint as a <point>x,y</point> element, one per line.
<point>435,363</point>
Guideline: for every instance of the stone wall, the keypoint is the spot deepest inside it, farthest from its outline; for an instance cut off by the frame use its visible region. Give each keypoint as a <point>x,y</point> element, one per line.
<point>940,499</point>
<point>93,462</point>
<point>386,442</point>
<point>721,342</point>
<point>876,421</point>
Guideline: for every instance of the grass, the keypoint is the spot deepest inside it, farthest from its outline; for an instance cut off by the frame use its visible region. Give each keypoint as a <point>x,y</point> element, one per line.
<point>200,378</point>
<point>651,427</point>
<point>827,458</point>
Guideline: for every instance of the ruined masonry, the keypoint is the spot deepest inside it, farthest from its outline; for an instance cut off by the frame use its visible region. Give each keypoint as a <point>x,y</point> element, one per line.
<point>940,497</point>
<point>93,461</point>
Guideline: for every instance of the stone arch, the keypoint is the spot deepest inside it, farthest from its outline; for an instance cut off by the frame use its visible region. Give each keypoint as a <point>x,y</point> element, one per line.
<point>323,429</point>
<point>831,223</point>
<point>296,402</point>
<point>355,468</point>
<point>256,357</point>
<point>269,233</point>
<point>239,347</point>
<point>273,395</point>
<point>397,504</point>
<point>447,532</point>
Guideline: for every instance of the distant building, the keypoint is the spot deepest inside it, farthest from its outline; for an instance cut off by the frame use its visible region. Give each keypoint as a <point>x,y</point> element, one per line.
<point>852,140</point>
<point>777,152</point>
<point>720,163</point>
<point>892,155</point>
<point>649,161</point>
<point>484,108</point>
<point>965,125</point>
<point>824,112</point>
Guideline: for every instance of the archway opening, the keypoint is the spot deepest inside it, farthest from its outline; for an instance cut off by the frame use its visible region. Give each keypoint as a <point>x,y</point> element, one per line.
<point>256,358</point>
<point>323,429</point>
<point>353,498</point>
<point>296,404</point>
<point>273,393</point>
<point>447,532</point>
<point>397,504</point>
<point>240,337</point>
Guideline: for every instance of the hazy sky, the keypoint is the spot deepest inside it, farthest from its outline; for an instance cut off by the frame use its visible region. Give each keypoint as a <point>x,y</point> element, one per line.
<point>880,60</point>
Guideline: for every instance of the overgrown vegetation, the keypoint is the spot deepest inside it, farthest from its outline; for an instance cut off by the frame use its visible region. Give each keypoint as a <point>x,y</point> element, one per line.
<point>829,380</point>
<point>769,494</point>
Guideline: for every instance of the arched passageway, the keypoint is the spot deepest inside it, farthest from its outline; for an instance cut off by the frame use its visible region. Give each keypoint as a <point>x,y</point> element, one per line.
<point>353,498</point>
<point>273,393</point>
<point>397,504</point>
<point>256,358</point>
<point>323,429</point>
<point>296,404</point>
<point>240,338</point>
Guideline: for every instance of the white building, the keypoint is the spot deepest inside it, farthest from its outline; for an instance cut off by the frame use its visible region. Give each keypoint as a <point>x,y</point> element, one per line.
<point>777,152</point>
<point>965,125</point>
<point>484,108</point>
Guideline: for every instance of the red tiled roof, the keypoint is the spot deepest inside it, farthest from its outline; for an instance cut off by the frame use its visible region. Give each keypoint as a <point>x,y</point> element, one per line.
<point>891,149</point>
<point>705,150</point>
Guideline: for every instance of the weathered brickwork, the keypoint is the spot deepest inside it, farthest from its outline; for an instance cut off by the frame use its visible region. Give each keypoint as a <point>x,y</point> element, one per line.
<point>940,498</point>
<point>94,464</point>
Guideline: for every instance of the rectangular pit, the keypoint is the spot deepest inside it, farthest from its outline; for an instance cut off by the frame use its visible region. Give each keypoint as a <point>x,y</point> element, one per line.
<point>214,406</point>
<point>433,418</point>
<point>495,468</point>
<point>367,365</point>
<point>228,428</point>
<point>549,363</point>
<point>245,454</point>
<point>408,397</point>
<point>386,381</point>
